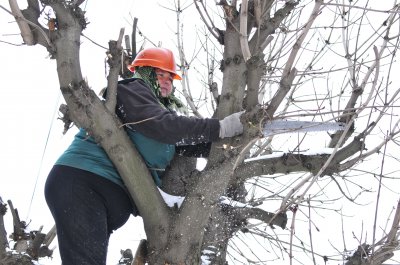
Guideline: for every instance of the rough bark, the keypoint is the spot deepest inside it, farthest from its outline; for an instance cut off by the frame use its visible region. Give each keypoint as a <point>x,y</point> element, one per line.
<point>180,236</point>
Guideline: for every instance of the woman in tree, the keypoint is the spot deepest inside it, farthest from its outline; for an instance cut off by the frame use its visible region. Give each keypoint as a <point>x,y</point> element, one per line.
<point>84,191</point>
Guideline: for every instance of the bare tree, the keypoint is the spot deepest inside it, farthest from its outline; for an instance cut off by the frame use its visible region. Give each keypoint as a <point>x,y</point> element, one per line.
<point>308,60</point>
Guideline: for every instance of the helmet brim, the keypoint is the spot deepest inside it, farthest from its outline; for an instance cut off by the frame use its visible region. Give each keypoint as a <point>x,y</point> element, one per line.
<point>175,75</point>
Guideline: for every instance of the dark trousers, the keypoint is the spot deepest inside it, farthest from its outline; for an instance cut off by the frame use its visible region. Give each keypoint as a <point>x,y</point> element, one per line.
<point>86,208</point>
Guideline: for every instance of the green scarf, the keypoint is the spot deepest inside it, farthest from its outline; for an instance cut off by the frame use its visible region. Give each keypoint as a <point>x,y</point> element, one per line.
<point>148,75</point>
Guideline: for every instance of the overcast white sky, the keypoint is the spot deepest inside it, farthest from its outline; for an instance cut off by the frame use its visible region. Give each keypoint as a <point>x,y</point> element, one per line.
<point>31,136</point>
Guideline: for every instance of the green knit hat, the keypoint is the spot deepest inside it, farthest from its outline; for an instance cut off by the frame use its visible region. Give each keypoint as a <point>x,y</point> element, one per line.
<point>148,75</point>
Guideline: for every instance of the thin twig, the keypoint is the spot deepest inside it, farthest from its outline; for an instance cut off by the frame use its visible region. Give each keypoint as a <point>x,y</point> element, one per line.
<point>391,11</point>
<point>137,122</point>
<point>378,195</point>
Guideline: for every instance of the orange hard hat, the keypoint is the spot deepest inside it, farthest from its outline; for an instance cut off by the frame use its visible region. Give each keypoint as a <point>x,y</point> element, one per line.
<point>158,58</point>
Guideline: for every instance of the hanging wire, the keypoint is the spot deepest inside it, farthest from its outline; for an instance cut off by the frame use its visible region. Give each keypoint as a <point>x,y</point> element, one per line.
<point>44,152</point>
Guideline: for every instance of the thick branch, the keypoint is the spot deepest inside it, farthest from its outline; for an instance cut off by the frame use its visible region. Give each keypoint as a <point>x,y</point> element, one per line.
<point>195,211</point>
<point>89,112</point>
<point>261,215</point>
<point>255,70</point>
<point>288,163</point>
<point>285,164</point>
<point>106,129</point>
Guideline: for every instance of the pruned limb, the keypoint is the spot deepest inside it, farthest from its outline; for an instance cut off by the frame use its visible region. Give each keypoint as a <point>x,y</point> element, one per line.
<point>126,257</point>
<point>213,86</point>
<point>133,36</point>
<point>50,236</point>
<point>26,32</point>
<point>19,227</point>
<point>115,63</point>
<point>34,249</point>
<point>128,47</point>
<point>244,44</point>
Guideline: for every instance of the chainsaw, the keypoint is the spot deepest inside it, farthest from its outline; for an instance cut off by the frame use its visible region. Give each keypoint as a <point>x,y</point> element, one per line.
<point>274,127</point>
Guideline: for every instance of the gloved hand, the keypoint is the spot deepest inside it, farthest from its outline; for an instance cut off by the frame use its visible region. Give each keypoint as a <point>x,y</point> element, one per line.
<point>231,126</point>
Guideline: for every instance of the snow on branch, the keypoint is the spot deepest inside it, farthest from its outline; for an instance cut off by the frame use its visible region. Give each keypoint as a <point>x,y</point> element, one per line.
<point>246,211</point>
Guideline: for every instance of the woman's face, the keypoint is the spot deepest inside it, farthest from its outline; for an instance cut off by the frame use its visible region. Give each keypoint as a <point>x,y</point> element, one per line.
<point>164,79</point>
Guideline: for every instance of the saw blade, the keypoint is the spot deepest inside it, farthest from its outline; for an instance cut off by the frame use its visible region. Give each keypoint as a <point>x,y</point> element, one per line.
<point>287,126</point>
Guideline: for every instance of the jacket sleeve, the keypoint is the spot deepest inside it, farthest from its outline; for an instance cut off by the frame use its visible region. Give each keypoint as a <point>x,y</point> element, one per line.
<point>138,106</point>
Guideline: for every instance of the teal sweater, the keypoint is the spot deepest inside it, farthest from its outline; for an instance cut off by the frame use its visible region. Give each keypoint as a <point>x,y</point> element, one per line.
<point>84,153</point>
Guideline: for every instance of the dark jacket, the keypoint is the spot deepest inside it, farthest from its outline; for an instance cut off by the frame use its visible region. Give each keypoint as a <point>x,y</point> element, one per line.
<point>138,104</point>
<point>154,130</point>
